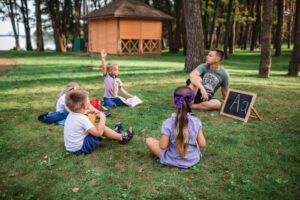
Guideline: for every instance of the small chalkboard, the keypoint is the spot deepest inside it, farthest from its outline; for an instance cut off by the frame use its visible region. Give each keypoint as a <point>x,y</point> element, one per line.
<point>238,104</point>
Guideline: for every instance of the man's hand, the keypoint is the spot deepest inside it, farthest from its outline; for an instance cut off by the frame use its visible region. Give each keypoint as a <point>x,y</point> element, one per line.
<point>204,95</point>
<point>103,54</point>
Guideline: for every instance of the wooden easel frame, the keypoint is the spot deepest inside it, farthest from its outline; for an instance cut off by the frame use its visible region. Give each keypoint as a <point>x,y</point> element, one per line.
<point>251,107</point>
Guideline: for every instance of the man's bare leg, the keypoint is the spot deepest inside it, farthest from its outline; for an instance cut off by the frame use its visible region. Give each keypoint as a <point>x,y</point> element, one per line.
<point>212,104</point>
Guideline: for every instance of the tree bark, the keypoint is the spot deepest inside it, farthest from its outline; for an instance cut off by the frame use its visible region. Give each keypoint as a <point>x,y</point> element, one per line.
<point>24,11</point>
<point>256,26</point>
<point>248,25</point>
<point>278,35</point>
<point>213,24</point>
<point>10,5</point>
<point>172,47</point>
<point>194,34</point>
<point>295,59</point>
<point>205,25</point>
<point>39,29</point>
<point>58,26</point>
<point>227,29</point>
<point>232,32</point>
<point>265,60</point>
<point>177,32</point>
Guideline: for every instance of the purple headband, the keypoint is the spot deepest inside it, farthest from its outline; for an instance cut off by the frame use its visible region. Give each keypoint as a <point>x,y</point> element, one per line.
<point>187,98</point>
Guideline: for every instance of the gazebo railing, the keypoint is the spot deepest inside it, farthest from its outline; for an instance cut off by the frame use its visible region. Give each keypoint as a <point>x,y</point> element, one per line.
<point>140,46</point>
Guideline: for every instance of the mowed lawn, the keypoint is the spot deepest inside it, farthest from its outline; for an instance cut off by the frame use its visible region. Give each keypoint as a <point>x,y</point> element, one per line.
<point>257,160</point>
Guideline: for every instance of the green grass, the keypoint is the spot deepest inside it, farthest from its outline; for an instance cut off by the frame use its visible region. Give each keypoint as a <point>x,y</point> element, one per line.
<point>258,160</point>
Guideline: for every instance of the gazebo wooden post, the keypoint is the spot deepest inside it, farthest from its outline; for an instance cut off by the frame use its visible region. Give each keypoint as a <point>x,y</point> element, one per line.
<point>141,47</point>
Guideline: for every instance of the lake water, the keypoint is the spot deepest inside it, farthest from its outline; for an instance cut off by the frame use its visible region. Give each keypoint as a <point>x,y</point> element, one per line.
<point>8,43</point>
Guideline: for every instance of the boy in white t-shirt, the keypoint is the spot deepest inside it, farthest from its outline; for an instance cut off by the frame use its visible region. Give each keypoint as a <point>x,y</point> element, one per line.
<point>80,134</point>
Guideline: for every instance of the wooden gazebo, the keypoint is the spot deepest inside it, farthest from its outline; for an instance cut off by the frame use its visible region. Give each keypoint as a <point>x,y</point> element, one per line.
<point>126,27</point>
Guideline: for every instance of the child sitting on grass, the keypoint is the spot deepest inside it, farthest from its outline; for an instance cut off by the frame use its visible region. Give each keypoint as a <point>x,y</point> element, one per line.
<point>112,84</point>
<point>80,134</point>
<point>181,134</point>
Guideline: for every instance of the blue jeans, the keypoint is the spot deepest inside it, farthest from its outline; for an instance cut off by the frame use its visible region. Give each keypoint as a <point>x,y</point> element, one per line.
<point>112,102</point>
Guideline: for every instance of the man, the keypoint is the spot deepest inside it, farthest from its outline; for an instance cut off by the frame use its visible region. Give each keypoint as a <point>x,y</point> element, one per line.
<point>206,79</point>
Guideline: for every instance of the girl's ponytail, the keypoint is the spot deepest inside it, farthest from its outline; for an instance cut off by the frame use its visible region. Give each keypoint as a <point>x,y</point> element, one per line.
<point>183,96</point>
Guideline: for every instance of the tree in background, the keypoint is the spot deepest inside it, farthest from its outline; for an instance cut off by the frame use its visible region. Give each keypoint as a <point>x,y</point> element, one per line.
<point>227,28</point>
<point>39,27</point>
<point>278,35</point>
<point>266,27</point>
<point>295,59</point>
<point>11,11</point>
<point>194,35</point>
<point>25,16</point>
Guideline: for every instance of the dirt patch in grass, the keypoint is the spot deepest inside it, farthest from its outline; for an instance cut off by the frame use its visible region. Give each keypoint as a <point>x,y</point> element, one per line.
<point>6,64</point>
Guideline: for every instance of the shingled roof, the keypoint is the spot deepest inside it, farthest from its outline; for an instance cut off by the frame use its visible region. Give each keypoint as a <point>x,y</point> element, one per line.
<point>127,9</point>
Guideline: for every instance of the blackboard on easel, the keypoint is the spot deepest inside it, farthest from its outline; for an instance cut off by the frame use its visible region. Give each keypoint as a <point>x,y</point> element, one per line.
<point>239,104</point>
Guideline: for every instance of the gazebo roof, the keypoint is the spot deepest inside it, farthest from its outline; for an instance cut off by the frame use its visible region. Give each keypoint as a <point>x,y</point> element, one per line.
<point>127,9</point>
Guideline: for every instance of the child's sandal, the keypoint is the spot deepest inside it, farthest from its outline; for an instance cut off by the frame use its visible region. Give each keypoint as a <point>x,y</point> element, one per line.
<point>127,136</point>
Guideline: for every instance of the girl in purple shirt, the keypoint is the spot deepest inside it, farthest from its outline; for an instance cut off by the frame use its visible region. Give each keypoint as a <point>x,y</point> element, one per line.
<point>182,135</point>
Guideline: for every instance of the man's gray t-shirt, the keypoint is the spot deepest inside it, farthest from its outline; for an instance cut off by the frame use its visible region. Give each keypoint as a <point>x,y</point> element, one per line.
<point>213,79</point>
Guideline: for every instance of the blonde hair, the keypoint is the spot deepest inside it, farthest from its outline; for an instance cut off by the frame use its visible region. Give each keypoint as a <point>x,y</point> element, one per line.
<point>76,100</point>
<point>110,66</point>
<point>71,86</point>
<point>181,130</point>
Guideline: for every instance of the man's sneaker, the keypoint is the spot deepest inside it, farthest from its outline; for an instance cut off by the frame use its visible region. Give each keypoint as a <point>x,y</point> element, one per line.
<point>127,136</point>
<point>118,127</point>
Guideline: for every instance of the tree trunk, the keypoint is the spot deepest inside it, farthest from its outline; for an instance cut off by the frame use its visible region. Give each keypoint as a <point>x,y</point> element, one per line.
<point>227,29</point>
<point>288,26</point>
<point>213,24</point>
<point>172,47</point>
<point>205,24</point>
<point>177,32</point>
<point>256,26</point>
<point>194,34</point>
<point>295,59</point>
<point>77,6</point>
<point>218,32</point>
<point>57,24</point>
<point>265,60</point>
<point>278,35</point>
<point>10,4</point>
<point>248,25</point>
<point>24,11</point>
<point>183,31</point>
<point>39,29</point>
<point>232,35</point>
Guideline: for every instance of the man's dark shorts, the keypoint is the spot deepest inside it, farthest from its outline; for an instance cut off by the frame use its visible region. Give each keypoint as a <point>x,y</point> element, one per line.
<point>198,96</point>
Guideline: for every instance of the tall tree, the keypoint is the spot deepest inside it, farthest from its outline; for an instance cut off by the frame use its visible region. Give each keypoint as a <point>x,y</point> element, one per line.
<point>12,13</point>
<point>278,35</point>
<point>250,8</point>
<point>172,46</point>
<point>295,59</point>
<point>178,18</point>
<point>213,24</point>
<point>194,35</point>
<point>77,6</point>
<point>227,28</point>
<point>39,29</point>
<point>59,22</point>
<point>266,27</point>
<point>232,31</point>
<point>24,11</point>
<point>256,26</point>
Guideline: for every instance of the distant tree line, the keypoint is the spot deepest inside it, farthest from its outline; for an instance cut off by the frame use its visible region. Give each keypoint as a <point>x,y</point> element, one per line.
<point>197,25</point>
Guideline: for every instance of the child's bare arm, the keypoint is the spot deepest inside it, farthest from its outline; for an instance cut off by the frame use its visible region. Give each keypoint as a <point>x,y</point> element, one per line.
<point>104,64</point>
<point>125,92</point>
<point>99,128</point>
<point>164,142</point>
<point>201,139</point>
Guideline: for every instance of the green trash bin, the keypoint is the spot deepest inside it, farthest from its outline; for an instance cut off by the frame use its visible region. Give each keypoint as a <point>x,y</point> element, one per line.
<point>77,44</point>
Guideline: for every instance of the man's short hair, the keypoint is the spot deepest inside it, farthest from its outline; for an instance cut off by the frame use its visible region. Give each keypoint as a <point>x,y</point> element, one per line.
<point>220,53</point>
<point>76,100</point>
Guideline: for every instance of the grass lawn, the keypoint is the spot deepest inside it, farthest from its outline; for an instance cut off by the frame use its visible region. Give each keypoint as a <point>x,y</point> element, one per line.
<point>258,160</point>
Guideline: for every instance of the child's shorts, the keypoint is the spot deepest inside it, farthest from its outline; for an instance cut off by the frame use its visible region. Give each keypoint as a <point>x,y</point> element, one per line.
<point>112,102</point>
<point>89,144</point>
